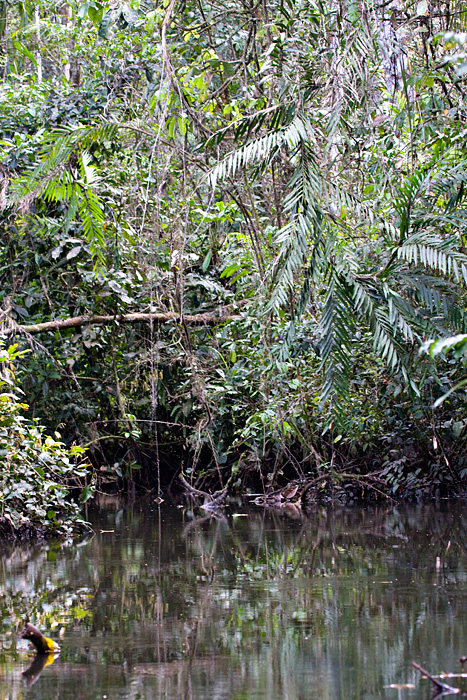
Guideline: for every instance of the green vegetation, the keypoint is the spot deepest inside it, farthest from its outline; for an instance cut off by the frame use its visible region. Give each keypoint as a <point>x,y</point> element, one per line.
<point>227,229</point>
<point>37,470</point>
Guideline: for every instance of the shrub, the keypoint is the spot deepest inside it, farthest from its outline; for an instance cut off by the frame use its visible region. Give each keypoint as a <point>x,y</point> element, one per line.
<point>36,470</point>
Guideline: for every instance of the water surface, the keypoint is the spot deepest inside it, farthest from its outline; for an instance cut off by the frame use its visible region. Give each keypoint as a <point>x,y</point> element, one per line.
<point>164,603</point>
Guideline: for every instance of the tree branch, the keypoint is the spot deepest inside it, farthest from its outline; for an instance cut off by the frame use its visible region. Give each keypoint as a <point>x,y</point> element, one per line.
<point>438,686</point>
<point>9,327</point>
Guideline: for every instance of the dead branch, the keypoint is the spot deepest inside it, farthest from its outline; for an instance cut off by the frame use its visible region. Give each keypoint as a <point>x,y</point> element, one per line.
<point>438,687</point>
<point>10,327</point>
<point>210,500</point>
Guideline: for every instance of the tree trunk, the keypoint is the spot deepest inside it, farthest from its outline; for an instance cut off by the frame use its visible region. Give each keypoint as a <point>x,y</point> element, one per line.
<point>394,52</point>
<point>3,25</point>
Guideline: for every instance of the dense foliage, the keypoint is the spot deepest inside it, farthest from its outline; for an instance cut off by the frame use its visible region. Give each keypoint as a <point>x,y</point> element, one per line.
<point>36,469</point>
<point>240,222</point>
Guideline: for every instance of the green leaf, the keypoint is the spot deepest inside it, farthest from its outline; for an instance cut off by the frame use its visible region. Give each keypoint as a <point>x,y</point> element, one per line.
<point>206,261</point>
<point>228,68</point>
<point>83,10</point>
<point>105,26</point>
<point>95,14</point>
<point>171,127</point>
<point>182,125</point>
<point>86,493</point>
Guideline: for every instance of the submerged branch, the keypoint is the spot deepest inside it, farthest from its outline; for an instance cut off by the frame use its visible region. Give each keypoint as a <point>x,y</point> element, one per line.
<point>438,687</point>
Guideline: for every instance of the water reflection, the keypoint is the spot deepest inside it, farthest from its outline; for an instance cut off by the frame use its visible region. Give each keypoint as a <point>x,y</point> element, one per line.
<point>160,603</point>
<point>38,663</point>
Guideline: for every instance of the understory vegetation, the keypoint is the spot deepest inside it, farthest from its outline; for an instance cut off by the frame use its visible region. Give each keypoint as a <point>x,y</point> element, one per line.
<point>227,231</point>
<point>37,470</point>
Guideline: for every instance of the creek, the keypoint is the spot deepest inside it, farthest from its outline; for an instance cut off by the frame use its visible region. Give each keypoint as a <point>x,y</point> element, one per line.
<point>162,603</point>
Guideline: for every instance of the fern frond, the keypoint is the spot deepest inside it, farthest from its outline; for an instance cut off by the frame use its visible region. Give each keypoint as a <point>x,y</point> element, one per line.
<point>448,180</point>
<point>407,194</point>
<point>72,211</point>
<point>92,216</point>
<point>456,314</point>
<point>427,295</point>
<point>384,343</point>
<point>244,128</point>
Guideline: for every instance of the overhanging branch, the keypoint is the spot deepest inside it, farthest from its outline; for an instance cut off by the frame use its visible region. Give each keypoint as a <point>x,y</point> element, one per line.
<point>9,327</point>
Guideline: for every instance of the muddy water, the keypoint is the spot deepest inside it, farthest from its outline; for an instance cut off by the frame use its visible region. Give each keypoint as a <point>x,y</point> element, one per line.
<point>168,603</point>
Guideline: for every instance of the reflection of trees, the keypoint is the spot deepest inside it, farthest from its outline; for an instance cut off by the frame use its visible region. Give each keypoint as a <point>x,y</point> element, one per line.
<point>309,606</point>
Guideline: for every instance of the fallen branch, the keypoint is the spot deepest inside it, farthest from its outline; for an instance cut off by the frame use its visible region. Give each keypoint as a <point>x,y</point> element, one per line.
<point>10,327</point>
<point>438,687</point>
<point>210,500</point>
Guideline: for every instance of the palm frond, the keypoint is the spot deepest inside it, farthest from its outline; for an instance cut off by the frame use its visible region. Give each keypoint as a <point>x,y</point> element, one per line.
<point>302,241</point>
<point>246,127</point>
<point>435,253</point>
<point>335,331</point>
<point>57,148</point>
<point>292,135</point>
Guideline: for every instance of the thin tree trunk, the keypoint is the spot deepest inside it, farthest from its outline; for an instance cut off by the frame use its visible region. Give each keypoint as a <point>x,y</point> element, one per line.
<point>38,52</point>
<point>394,52</point>
<point>3,37</point>
<point>3,23</point>
<point>67,12</point>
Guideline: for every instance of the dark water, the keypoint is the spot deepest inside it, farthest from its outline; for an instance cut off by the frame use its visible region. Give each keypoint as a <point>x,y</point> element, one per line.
<point>251,604</point>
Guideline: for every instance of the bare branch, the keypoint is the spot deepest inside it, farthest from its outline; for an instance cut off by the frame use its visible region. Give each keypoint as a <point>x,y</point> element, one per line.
<point>9,327</point>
